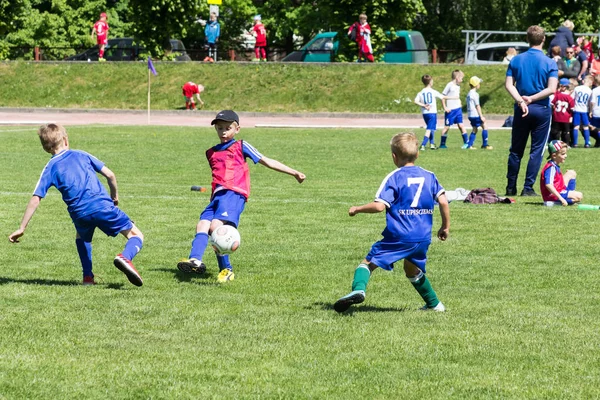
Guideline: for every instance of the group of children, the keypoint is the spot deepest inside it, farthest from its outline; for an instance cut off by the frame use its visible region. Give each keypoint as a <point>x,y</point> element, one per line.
<point>452,105</point>
<point>408,195</point>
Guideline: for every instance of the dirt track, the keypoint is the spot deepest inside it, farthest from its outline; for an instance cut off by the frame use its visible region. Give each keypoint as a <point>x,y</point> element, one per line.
<point>13,116</point>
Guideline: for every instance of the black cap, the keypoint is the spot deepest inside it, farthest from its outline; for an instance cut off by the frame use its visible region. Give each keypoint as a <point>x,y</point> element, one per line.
<point>226,115</point>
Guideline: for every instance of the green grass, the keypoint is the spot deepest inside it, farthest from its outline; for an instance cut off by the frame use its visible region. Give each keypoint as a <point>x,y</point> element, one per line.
<point>270,87</point>
<point>519,281</point>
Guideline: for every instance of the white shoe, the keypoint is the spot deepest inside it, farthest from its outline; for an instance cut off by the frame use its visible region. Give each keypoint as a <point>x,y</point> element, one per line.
<point>439,308</point>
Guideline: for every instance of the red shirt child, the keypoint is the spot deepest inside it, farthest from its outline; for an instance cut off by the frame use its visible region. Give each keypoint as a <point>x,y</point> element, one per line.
<point>562,105</point>
<point>189,90</point>
<point>260,33</point>
<point>100,30</point>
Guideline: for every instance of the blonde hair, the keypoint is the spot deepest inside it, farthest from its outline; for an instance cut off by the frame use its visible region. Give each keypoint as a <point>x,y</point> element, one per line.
<point>456,73</point>
<point>569,24</point>
<point>362,16</point>
<point>405,146</point>
<point>51,135</point>
<point>511,51</point>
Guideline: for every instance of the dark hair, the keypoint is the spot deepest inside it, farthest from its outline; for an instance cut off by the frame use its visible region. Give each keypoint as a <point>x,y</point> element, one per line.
<point>535,35</point>
<point>426,79</point>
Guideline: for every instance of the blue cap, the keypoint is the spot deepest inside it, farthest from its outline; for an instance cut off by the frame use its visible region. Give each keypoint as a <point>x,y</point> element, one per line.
<point>564,82</point>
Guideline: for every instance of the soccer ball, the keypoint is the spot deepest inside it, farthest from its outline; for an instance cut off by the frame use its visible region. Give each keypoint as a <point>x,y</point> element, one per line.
<point>225,239</point>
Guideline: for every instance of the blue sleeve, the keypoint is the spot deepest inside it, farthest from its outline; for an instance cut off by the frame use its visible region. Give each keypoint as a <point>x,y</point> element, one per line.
<point>206,29</point>
<point>436,188</point>
<point>44,183</point>
<point>549,176</point>
<point>553,69</point>
<point>387,192</point>
<point>96,164</point>
<point>218,29</point>
<point>250,152</point>
<point>509,71</point>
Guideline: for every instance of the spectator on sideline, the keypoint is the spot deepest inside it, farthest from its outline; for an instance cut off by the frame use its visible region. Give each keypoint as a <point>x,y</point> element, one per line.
<point>564,37</point>
<point>510,54</point>
<point>584,64</point>
<point>260,33</point>
<point>555,54</point>
<point>569,67</point>
<point>100,30</point>
<point>530,78</point>
<point>363,38</point>
<point>212,31</point>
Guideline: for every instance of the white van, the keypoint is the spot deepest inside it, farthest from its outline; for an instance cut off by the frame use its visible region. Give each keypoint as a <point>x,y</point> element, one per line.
<point>492,53</point>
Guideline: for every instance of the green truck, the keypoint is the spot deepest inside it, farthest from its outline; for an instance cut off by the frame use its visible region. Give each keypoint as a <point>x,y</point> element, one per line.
<point>405,47</point>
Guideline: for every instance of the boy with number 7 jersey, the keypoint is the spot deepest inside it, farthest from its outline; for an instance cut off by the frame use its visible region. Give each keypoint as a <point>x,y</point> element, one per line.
<point>408,195</point>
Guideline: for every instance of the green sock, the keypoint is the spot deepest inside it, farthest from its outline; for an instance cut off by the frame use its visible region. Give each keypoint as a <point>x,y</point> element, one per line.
<point>421,283</point>
<point>361,277</point>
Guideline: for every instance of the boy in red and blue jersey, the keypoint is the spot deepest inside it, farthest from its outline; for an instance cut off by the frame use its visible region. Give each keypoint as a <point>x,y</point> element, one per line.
<point>73,173</point>
<point>408,195</point>
<point>552,181</point>
<point>230,190</point>
<point>100,30</point>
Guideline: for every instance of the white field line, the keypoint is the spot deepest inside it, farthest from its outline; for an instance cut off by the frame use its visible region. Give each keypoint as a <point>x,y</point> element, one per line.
<point>350,127</point>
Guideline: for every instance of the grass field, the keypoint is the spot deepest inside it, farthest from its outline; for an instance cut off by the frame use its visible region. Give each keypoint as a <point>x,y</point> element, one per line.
<point>267,87</point>
<point>519,281</point>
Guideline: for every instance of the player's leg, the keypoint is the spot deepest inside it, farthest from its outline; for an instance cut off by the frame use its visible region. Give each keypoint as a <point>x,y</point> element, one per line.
<point>518,142</point>
<point>447,125</point>
<point>425,139</point>
<point>540,117</point>
<point>586,129</point>
<point>414,269</point>
<point>263,53</point>
<point>472,137</point>
<point>362,274</point>
<point>123,261</point>
<point>576,123</point>
<point>84,250</point>
<point>461,127</point>
<point>225,268</point>
<point>194,262</point>
<point>484,137</point>
<point>257,53</point>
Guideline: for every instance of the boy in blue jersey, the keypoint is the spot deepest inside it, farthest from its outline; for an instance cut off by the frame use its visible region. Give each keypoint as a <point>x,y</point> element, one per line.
<point>73,173</point>
<point>408,195</point>
<point>230,191</point>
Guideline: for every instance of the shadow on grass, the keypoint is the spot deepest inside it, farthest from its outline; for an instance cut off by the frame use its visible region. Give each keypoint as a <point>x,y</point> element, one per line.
<point>55,282</point>
<point>355,309</point>
<point>47,282</point>
<point>204,279</point>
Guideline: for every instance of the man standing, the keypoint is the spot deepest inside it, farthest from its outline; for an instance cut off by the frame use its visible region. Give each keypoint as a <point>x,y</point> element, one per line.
<point>530,78</point>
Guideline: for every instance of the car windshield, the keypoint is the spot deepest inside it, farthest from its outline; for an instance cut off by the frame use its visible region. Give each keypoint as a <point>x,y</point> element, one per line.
<point>321,44</point>
<point>496,53</point>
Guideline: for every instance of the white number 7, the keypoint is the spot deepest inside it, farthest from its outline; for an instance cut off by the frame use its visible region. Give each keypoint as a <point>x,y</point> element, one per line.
<point>420,181</point>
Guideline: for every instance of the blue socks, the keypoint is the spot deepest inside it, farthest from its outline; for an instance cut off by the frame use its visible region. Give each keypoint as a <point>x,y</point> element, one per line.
<point>431,137</point>
<point>444,137</point>
<point>586,136</point>
<point>465,138</point>
<point>223,261</point>
<point>199,245</point>
<point>484,136</point>
<point>472,139</point>
<point>425,140</point>
<point>85,255</point>
<point>575,137</point>
<point>132,247</point>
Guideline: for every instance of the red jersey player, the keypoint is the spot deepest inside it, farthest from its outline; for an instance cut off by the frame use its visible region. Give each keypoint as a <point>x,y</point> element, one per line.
<point>562,112</point>
<point>189,90</point>
<point>260,33</point>
<point>100,30</point>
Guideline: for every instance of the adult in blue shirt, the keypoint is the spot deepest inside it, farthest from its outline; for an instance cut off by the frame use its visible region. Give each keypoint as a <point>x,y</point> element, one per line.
<point>530,78</point>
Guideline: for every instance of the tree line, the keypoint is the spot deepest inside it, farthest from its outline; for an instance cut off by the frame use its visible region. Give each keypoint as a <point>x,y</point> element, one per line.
<point>61,26</point>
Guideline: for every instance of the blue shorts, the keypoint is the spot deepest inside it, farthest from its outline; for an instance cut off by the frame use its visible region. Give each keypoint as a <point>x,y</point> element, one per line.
<point>430,121</point>
<point>226,205</point>
<point>476,122</point>
<point>595,121</point>
<point>453,117</point>
<point>580,118</point>
<point>385,254</point>
<point>110,220</point>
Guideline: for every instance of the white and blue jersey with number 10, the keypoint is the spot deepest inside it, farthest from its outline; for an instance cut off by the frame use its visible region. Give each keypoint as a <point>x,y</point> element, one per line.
<point>409,194</point>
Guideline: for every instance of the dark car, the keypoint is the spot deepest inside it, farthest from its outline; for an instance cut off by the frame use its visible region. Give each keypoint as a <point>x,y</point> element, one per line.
<point>126,49</point>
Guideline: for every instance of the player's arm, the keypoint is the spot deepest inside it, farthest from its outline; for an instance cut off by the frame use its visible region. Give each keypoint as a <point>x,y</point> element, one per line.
<point>370,208</point>
<point>33,204</point>
<point>199,99</point>
<point>480,113</point>
<point>553,190</point>
<point>444,104</point>
<point>280,167</point>
<point>552,85</point>
<point>509,85</point>
<point>111,178</point>
<point>445,213</point>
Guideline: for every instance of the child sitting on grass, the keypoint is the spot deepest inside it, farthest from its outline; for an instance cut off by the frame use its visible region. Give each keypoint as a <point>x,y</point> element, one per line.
<point>552,182</point>
<point>73,173</point>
